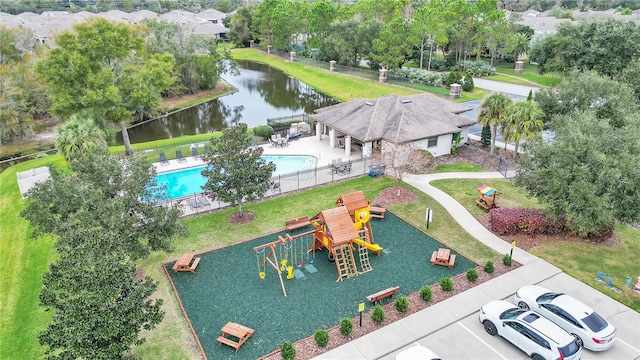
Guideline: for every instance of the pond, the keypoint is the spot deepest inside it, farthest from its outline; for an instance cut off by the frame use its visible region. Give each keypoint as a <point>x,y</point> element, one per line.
<point>263,92</point>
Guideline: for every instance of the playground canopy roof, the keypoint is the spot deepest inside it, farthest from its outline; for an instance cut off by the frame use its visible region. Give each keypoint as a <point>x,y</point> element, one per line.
<point>353,201</point>
<point>340,225</point>
<point>488,190</point>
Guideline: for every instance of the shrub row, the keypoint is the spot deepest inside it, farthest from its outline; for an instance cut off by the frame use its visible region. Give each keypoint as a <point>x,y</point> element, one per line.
<point>421,76</point>
<point>476,68</point>
<point>505,221</point>
<point>321,336</point>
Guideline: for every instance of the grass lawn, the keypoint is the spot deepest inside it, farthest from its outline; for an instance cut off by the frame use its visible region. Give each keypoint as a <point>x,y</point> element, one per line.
<point>579,259</point>
<point>341,87</point>
<point>151,149</point>
<point>24,260</point>
<point>459,167</point>
<point>529,76</point>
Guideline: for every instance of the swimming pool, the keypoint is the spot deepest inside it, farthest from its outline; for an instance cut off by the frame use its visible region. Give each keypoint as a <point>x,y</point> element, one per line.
<point>189,181</point>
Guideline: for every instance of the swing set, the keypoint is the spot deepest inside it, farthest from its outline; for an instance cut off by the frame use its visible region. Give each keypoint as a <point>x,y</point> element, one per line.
<point>291,251</point>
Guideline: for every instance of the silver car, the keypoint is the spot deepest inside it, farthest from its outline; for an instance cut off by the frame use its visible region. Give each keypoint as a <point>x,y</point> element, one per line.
<point>587,326</point>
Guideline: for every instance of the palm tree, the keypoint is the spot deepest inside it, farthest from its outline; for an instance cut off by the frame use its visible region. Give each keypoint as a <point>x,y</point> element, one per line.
<point>81,133</point>
<point>523,119</point>
<point>492,112</point>
<point>519,44</point>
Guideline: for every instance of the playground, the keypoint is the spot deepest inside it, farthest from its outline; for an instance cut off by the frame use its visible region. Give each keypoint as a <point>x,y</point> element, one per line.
<point>247,283</point>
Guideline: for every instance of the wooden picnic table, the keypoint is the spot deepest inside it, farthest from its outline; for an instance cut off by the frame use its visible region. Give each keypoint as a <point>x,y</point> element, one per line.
<point>234,330</point>
<point>377,212</point>
<point>185,263</point>
<point>443,257</point>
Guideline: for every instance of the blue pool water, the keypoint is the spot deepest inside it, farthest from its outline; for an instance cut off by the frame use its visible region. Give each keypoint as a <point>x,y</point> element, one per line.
<point>189,181</point>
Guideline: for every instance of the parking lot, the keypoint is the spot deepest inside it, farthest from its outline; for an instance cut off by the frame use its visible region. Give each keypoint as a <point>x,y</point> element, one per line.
<point>466,338</point>
<point>451,328</point>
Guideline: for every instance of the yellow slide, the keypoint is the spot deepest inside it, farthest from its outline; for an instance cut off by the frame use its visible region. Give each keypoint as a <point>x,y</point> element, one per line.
<point>373,247</point>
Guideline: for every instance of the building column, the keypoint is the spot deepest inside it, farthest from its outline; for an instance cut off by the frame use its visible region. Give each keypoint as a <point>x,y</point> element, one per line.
<point>319,131</point>
<point>367,149</point>
<point>347,145</point>
<point>332,138</point>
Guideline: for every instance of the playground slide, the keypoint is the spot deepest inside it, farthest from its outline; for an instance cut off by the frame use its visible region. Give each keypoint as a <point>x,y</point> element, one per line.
<point>372,247</point>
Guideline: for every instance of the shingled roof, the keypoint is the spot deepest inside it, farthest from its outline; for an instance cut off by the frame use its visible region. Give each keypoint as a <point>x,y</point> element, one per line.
<point>397,119</point>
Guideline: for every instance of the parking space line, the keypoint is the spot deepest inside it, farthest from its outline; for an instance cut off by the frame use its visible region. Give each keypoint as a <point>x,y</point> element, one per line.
<point>482,341</point>
<point>634,349</point>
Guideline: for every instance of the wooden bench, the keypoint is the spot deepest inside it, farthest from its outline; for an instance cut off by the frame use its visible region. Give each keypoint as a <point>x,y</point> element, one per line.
<point>452,260</point>
<point>383,294</point>
<point>297,223</point>
<point>377,212</point>
<point>434,255</point>
<point>234,344</point>
<point>241,332</point>
<point>195,264</point>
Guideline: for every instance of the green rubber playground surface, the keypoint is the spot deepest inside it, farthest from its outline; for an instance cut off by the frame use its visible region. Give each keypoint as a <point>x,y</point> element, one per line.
<point>227,287</point>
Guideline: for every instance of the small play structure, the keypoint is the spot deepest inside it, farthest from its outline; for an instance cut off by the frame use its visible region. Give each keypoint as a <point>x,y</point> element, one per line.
<point>336,230</point>
<point>287,254</point>
<point>487,197</point>
<point>606,280</point>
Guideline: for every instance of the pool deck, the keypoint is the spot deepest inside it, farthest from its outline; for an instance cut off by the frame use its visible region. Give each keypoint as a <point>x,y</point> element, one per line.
<point>304,146</point>
<point>309,146</point>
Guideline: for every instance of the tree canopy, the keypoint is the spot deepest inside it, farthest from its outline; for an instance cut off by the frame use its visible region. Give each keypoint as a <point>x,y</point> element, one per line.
<point>607,46</point>
<point>611,100</point>
<point>589,173</point>
<point>102,66</point>
<point>235,171</point>
<point>100,305</point>
<point>383,33</point>
<point>104,216</point>
<point>102,193</point>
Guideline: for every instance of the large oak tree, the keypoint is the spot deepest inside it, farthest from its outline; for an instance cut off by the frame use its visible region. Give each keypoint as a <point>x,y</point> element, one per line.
<point>235,171</point>
<point>101,192</point>
<point>589,173</point>
<point>103,66</point>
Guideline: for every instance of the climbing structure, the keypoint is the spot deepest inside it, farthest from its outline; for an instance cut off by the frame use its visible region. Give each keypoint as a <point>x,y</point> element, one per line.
<point>338,229</point>
<point>358,207</point>
<point>335,232</point>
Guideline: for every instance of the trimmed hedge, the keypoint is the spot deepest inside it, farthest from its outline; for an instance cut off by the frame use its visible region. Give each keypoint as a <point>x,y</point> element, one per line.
<point>287,351</point>
<point>346,326</point>
<point>488,267</point>
<point>402,305</point>
<point>426,293</point>
<point>321,337</point>
<point>446,284</point>
<point>472,275</point>
<point>377,315</point>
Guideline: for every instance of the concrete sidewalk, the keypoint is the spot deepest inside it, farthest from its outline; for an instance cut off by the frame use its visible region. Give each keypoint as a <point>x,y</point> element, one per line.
<point>389,340</point>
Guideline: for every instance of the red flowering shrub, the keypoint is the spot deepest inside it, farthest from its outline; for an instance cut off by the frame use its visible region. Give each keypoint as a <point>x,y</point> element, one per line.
<point>504,221</point>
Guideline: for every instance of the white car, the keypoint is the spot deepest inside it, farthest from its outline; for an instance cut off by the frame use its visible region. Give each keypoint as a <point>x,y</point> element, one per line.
<point>417,352</point>
<point>529,331</point>
<point>587,326</point>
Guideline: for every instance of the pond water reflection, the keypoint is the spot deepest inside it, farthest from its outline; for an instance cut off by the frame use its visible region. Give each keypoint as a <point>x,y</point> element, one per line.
<point>263,92</point>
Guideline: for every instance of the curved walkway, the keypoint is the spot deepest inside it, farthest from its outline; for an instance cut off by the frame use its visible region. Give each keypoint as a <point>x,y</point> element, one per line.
<point>443,325</point>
